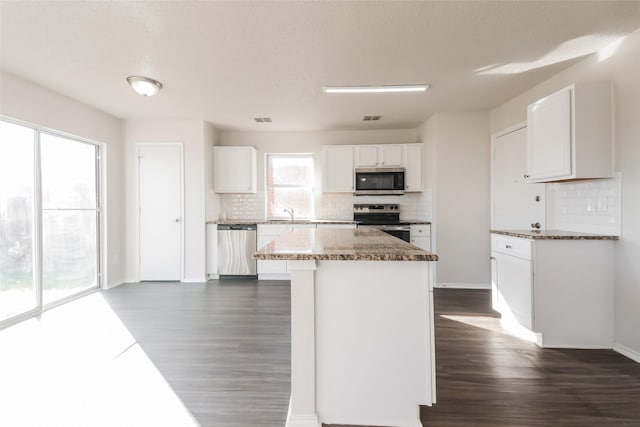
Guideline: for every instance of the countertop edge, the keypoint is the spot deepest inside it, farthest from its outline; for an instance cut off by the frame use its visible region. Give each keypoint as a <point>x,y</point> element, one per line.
<point>319,221</point>
<point>344,257</point>
<point>553,235</point>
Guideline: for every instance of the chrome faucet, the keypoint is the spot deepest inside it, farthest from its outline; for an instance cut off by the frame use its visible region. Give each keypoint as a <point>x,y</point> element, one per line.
<point>290,212</point>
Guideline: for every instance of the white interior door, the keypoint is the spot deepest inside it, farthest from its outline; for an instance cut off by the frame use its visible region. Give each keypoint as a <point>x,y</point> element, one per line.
<point>514,205</point>
<point>160,172</point>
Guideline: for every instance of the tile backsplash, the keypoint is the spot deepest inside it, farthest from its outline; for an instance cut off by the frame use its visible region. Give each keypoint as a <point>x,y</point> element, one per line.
<point>416,206</point>
<point>589,206</point>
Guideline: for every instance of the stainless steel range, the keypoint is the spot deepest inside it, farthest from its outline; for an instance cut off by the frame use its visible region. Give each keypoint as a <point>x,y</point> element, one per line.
<point>385,217</point>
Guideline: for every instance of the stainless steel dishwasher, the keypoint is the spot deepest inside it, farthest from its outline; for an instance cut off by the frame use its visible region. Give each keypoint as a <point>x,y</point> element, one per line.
<point>236,245</point>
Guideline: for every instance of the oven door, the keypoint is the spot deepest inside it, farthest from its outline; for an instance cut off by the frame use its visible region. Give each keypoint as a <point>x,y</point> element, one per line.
<point>402,232</point>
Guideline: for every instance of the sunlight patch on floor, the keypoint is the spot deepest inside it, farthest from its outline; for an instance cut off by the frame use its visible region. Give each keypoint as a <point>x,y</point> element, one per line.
<point>79,366</point>
<point>507,325</point>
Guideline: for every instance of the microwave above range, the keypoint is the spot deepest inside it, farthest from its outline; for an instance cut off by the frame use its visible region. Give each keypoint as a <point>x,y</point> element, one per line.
<point>379,181</point>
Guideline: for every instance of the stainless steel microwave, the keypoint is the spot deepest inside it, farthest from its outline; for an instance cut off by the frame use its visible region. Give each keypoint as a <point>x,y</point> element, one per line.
<point>379,181</point>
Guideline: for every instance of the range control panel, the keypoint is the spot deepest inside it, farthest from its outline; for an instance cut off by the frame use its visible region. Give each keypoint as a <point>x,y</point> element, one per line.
<point>382,208</point>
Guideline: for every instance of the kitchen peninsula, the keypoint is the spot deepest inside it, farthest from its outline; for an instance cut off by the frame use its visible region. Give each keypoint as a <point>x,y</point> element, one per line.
<point>362,341</point>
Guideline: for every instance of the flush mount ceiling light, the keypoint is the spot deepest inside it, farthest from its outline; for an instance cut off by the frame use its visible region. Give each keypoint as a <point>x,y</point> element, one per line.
<point>376,89</point>
<point>145,86</point>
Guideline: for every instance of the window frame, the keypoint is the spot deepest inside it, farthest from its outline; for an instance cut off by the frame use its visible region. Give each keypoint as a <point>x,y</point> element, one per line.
<point>267,187</point>
<point>100,182</point>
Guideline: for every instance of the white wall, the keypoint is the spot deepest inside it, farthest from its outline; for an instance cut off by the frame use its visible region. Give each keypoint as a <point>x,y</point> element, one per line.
<point>623,68</point>
<point>28,102</point>
<point>457,149</point>
<point>212,200</point>
<point>192,134</point>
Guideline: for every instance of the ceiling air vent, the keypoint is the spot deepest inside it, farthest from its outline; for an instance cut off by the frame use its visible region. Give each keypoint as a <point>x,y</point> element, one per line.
<point>262,119</point>
<point>371,118</point>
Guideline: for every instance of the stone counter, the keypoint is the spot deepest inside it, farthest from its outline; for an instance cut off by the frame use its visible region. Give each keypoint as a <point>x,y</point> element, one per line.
<point>283,221</point>
<point>553,235</point>
<point>341,245</point>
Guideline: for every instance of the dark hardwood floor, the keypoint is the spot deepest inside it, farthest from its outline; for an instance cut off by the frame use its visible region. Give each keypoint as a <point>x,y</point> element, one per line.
<point>224,348</point>
<point>486,377</point>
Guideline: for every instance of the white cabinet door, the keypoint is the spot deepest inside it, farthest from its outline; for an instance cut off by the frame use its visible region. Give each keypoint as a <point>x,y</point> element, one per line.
<point>515,203</point>
<point>234,169</point>
<point>337,171</point>
<point>549,136</point>
<point>570,134</point>
<point>515,287</point>
<point>212,250</point>
<point>390,155</point>
<point>384,155</point>
<point>366,156</point>
<point>412,162</point>
<point>420,236</point>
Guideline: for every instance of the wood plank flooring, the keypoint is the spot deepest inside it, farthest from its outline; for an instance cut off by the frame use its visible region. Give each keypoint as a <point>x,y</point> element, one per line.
<point>224,348</point>
<point>486,377</point>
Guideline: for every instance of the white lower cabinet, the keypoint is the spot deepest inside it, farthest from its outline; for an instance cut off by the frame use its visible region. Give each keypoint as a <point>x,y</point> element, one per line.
<point>512,257</point>
<point>562,290</point>
<point>274,270</point>
<point>212,251</point>
<point>420,236</point>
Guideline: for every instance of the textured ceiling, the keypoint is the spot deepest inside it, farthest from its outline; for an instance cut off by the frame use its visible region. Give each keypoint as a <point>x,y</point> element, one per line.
<point>228,62</point>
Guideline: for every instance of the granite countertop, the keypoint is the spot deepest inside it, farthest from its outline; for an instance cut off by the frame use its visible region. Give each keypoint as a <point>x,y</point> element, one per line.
<point>283,221</point>
<point>341,245</point>
<point>304,221</point>
<point>553,235</point>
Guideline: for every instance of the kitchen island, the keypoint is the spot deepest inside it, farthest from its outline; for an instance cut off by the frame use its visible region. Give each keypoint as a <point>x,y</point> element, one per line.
<point>362,341</point>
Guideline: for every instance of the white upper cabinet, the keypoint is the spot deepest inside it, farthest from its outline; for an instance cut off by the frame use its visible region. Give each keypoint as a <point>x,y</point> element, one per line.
<point>376,156</point>
<point>569,134</point>
<point>412,162</point>
<point>337,169</point>
<point>390,155</point>
<point>339,162</point>
<point>234,169</point>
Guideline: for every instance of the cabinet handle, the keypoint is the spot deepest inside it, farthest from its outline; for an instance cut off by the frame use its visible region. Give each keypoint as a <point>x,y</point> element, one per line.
<point>526,176</point>
<point>507,246</point>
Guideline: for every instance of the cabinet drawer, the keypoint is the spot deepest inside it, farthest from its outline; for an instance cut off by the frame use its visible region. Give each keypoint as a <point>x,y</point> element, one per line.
<point>513,246</point>
<point>423,230</point>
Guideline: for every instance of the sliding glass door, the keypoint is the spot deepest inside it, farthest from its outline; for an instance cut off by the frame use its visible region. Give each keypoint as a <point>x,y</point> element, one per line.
<point>49,219</point>
<point>17,222</point>
<point>69,217</point>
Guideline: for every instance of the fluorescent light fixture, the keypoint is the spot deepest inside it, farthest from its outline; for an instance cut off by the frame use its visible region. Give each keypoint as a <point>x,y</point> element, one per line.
<point>375,89</point>
<point>145,86</point>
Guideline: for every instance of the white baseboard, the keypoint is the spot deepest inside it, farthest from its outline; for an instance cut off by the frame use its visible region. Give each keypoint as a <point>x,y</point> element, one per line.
<point>626,351</point>
<point>213,276</point>
<point>463,285</point>
<point>307,420</point>
<point>198,280</point>
<point>112,285</point>
<point>284,276</point>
